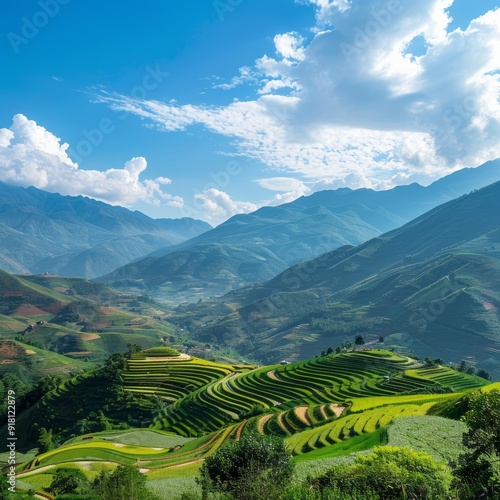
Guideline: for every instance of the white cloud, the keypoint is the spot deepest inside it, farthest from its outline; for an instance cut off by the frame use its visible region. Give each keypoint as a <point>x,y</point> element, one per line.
<point>290,188</point>
<point>326,8</point>
<point>282,184</point>
<point>290,45</point>
<point>246,75</point>
<point>218,206</point>
<point>30,155</point>
<point>361,108</point>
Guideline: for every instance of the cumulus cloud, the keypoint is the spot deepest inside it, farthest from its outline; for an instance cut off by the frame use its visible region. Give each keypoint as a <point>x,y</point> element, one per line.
<point>30,155</point>
<point>289,187</point>
<point>218,206</point>
<point>282,184</point>
<point>290,46</point>
<point>354,104</point>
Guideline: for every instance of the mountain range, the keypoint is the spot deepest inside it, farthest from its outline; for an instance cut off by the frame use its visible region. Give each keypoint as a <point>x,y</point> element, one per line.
<point>77,236</point>
<point>432,285</point>
<point>252,247</point>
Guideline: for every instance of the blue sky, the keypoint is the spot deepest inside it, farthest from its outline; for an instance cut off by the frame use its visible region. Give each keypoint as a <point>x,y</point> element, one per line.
<point>214,107</point>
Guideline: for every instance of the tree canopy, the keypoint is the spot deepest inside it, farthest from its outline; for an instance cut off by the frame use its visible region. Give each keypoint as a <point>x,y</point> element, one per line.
<point>254,467</point>
<point>479,467</point>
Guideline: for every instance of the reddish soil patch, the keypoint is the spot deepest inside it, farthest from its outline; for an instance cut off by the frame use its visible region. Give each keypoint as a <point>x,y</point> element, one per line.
<point>10,352</point>
<point>102,324</point>
<point>79,353</point>
<point>29,310</point>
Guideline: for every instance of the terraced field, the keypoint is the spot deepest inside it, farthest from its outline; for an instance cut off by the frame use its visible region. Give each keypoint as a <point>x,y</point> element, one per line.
<point>327,379</point>
<point>175,376</point>
<point>318,405</point>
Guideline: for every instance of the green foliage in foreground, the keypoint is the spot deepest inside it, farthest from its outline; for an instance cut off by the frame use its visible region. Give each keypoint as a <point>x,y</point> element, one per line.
<point>256,466</point>
<point>126,483</point>
<point>388,472</point>
<point>479,467</point>
<point>69,481</point>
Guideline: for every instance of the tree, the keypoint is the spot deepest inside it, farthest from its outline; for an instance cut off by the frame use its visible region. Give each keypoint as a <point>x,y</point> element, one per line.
<point>46,440</point>
<point>479,467</point>
<point>4,488</point>
<point>133,349</point>
<point>126,483</point>
<point>389,472</point>
<point>256,466</point>
<point>483,374</point>
<point>359,340</point>
<point>102,421</point>
<point>67,481</point>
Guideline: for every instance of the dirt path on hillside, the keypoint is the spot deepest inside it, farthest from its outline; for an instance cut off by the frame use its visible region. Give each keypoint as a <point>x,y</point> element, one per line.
<point>239,430</point>
<point>272,374</point>
<point>84,463</point>
<point>301,412</point>
<point>262,422</point>
<point>183,356</point>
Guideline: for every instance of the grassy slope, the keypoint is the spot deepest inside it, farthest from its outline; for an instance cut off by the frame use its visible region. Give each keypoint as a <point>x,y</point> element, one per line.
<point>171,462</point>
<point>430,286</point>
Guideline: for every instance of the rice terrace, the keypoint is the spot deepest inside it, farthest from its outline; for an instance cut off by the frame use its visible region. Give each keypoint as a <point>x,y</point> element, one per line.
<point>326,407</point>
<point>250,250</point>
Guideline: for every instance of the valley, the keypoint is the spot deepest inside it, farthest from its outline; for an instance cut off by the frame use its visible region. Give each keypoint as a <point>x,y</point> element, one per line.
<point>384,340</point>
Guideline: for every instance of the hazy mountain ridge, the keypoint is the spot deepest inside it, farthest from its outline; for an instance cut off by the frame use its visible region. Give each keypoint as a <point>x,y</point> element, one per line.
<point>432,285</point>
<point>47,232</point>
<point>297,231</point>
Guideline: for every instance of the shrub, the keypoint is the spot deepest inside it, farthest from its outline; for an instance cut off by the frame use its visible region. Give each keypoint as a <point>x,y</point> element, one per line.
<point>390,472</point>
<point>68,481</point>
<point>254,467</point>
<point>479,468</point>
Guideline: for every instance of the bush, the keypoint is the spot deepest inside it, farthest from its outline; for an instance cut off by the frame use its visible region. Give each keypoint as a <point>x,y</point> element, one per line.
<point>390,472</point>
<point>254,467</point>
<point>68,481</point>
<point>479,468</point>
<point>126,483</point>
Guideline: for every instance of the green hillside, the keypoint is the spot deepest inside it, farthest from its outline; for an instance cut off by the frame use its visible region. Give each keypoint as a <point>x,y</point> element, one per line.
<point>430,287</point>
<point>78,236</point>
<point>249,248</point>
<point>324,407</point>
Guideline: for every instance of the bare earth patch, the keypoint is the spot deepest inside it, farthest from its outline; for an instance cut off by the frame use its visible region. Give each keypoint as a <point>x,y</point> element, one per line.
<point>90,336</point>
<point>272,375</point>
<point>301,412</point>
<point>338,410</point>
<point>183,356</point>
<point>10,350</point>
<point>29,352</point>
<point>29,310</point>
<point>262,422</point>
